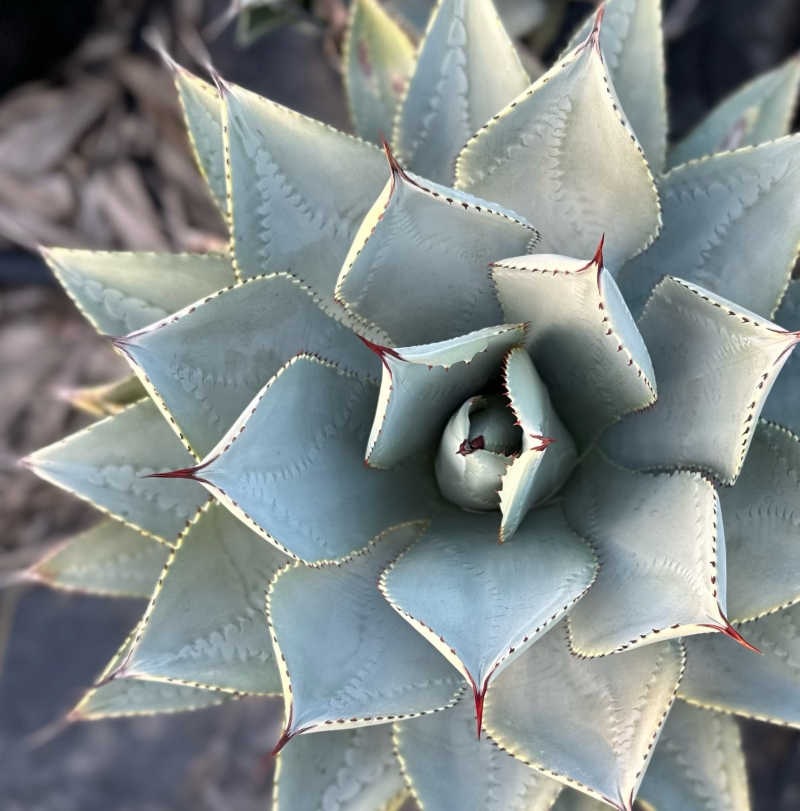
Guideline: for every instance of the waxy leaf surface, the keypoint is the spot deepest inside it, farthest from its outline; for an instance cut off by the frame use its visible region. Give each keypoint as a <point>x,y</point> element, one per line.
<point>760,111</point>
<point>548,452</point>
<point>566,139</point>
<point>581,337</point>
<point>206,624</point>
<point>661,547</point>
<point>722,675</point>
<point>449,768</point>
<point>632,42</point>
<point>202,110</point>
<point>299,190</point>
<point>481,603</point>
<point>423,385</point>
<point>418,265</point>
<point>715,364</point>
<point>467,70</point>
<point>209,361</point>
<point>344,770</point>
<point>297,474</point>
<point>347,658</point>
<point>378,56</point>
<point>783,403</point>
<point>762,513</point>
<point>110,559</point>
<point>698,764</point>
<point>106,464</point>
<point>128,697</point>
<point>121,292</point>
<point>731,226</point>
<point>590,723</point>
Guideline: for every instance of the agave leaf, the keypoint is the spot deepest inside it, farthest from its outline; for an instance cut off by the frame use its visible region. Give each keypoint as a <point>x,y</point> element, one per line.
<point>731,225</point>
<point>698,764</point>
<point>548,452</point>
<point>565,137</point>
<point>378,57</point>
<point>347,658</point>
<point>297,475</point>
<point>471,480</point>
<point>661,547</point>
<point>121,292</point>
<point>217,635</point>
<point>207,362</point>
<point>106,465</point>
<point>417,267</point>
<point>632,43</point>
<point>721,675</point>
<point>108,399</point>
<point>422,385</point>
<point>715,364</point>
<point>109,559</point>
<point>783,403</point>
<point>259,18</point>
<point>450,768</point>
<point>467,70</point>
<point>128,697</point>
<point>581,337</point>
<point>299,190</point>
<point>346,770</point>
<point>500,597</point>
<point>202,111</point>
<point>760,111</point>
<point>590,723</point>
<point>760,513</point>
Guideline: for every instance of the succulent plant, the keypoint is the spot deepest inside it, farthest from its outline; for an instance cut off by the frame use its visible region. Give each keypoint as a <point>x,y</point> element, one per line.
<point>413,407</point>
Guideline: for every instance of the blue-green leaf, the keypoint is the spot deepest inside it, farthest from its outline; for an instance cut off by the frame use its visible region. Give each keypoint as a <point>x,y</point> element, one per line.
<point>481,603</point>
<point>417,267</point>
<point>422,385</point>
<point>783,403</point>
<point>202,111</point>
<point>760,111</point>
<point>548,453</point>
<point>450,769</point>
<point>299,190</point>
<point>715,364</point>
<point>661,547</point>
<point>467,71</point>
<point>106,399</point>
<point>698,764</point>
<point>632,43</point>
<point>722,675</point>
<point>207,362</point>
<point>581,337</point>
<point>762,512</point>
<point>122,698</point>
<point>107,465</point>
<point>206,624</point>
<point>590,723</point>
<point>562,156</point>
<point>731,226</point>
<point>378,57</point>
<point>347,770</point>
<point>292,466</point>
<point>110,559</point>
<point>121,292</point>
<point>347,658</point>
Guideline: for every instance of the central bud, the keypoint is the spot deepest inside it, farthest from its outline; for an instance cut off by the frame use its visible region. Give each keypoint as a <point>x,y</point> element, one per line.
<point>479,443</point>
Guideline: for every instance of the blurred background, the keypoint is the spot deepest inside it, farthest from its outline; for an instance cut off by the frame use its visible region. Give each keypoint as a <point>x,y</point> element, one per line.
<point>93,154</point>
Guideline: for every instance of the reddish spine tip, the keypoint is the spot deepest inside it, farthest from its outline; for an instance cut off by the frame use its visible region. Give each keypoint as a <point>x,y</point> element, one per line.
<point>285,737</point>
<point>395,167</point>
<point>381,351</point>
<point>544,440</point>
<point>598,256</point>
<point>467,447</point>
<point>185,473</point>
<point>598,20</point>
<point>480,697</point>
<point>730,631</point>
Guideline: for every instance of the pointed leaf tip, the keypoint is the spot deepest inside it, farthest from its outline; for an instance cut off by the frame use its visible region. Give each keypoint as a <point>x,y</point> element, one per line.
<point>730,631</point>
<point>381,351</point>
<point>480,699</point>
<point>598,257</point>
<point>184,473</point>
<point>395,167</point>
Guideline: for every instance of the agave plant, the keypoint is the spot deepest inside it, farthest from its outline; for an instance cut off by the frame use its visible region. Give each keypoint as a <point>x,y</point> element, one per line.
<point>413,407</point>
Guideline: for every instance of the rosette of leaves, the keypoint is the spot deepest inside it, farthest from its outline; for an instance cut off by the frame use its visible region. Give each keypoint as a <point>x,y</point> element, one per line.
<point>412,407</point>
